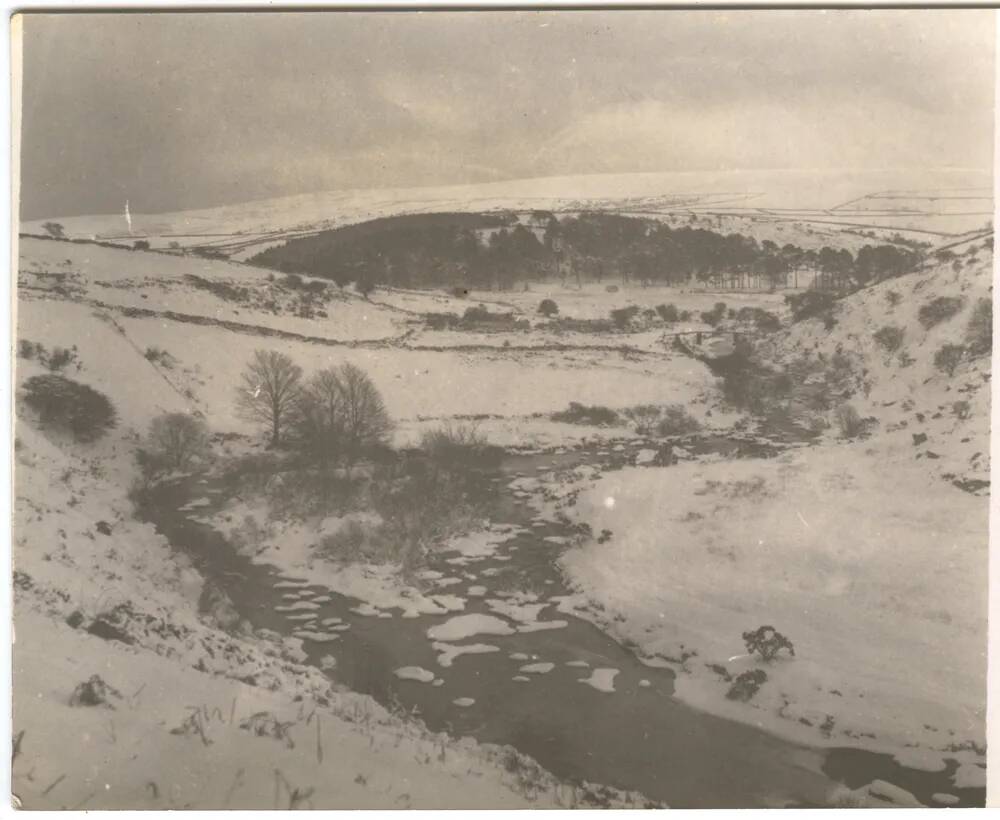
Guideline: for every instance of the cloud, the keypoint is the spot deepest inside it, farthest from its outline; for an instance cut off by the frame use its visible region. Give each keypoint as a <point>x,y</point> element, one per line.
<point>182,111</point>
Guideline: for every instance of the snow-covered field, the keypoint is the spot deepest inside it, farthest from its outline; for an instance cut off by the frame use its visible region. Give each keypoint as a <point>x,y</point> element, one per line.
<point>865,554</point>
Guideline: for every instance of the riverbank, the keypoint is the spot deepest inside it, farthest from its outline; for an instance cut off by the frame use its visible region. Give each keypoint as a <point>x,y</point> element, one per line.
<point>134,687</point>
<point>691,556</point>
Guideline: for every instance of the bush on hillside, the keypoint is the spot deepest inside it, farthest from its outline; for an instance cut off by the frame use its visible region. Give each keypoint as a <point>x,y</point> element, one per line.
<point>676,421</point>
<point>890,338</point>
<point>939,310</point>
<point>177,438</point>
<point>763,320</point>
<point>767,642</point>
<point>949,357</point>
<point>578,413</point>
<point>60,402</point>
<point>668,313</point>
<point>746,685</point>
<point>848,421</point>
<point>459,447</point>
<point>979,333</point>
<point>548,307</point>
<point>623,316</point>
<point>810,303</point>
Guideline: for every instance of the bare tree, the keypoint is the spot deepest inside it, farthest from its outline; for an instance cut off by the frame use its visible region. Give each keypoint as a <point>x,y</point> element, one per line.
<point>320,418</point>
<point>365,419</point>
<point>177,437</point>
<point>269,391</point>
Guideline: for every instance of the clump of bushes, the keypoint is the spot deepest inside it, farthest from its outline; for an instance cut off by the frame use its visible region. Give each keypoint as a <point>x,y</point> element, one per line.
<point>890,338</point>
<point>979,333</point>
<point>810,303</point>
<point>949,357</point>
<point>677,421</point>
<point>57,360</point>
<point>848,421</point>
<point>767,642</point>
<point>652,419</point>
<point>594,415</point>
<point>60,402</point>
<point>763,320</point>
<point>668,313</point>
<point>715,315</point>
<point>158,355</point>
<point>458,447</point>
<point>939,310</point>
<point>548,307</point>
<point>623,316</point>
<point>746,685</point>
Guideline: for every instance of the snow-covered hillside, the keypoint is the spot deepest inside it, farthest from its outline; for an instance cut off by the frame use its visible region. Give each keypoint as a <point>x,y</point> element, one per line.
<point>798,202</point>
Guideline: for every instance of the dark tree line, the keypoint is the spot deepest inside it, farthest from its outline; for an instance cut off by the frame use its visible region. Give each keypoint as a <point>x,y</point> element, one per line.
<point>495,251</point>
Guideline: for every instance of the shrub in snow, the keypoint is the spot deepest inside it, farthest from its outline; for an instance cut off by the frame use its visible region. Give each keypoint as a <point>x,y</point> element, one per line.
<point>851,424</point>
<point>94,692</point>
<point>548,307</point>
<point>578,413</point>
<point>767,642</point>
<point>668,313</point>
<point>949,357</point>
<point>177,437</point>
<point>810,303</point>
<point>459,447</point>
<point>746,685</point>
<point>60,358</point>
<point>677,421</point>
<point>893,298</point>
<point>86,413</point>
<point>979,333</point>
<point>939,310</point>
<point>889,337</point>
<point>623,316</point>
<point>27,349</point>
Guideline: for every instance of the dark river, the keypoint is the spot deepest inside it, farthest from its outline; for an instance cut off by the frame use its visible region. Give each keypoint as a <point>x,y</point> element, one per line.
<point>638,737</point>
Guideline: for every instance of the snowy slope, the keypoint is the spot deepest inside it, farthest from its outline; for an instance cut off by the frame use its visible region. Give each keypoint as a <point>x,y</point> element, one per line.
<point>233,228</point>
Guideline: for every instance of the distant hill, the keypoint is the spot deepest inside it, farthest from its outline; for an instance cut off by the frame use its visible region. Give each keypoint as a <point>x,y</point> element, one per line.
<point>784,206</point>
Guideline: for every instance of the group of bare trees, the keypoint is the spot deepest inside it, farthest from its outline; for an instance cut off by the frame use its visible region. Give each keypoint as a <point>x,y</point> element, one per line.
<point>334,415</point>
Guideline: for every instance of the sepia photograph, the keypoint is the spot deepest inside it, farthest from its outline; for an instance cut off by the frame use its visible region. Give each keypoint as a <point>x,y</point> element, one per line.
<point>500,409</point>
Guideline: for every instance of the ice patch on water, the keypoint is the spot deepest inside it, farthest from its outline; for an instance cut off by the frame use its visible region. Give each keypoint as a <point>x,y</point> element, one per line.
<point>645,684</point>
<point>541,626</point>
<point>577,663</point>
<point>537,668</point>
<point>463,702</point>
<point>316,637</point>
<point>297,606</point>
<point>520,678</point>
<point>465,626</point>
<point>519,656</point>
<point>416,673</point>
<point>603,680</point>
<point>451,651</point>
<point>477,591</point>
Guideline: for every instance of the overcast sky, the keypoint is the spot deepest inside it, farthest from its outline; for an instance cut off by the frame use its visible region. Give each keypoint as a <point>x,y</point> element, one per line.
<point>175,111</point>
